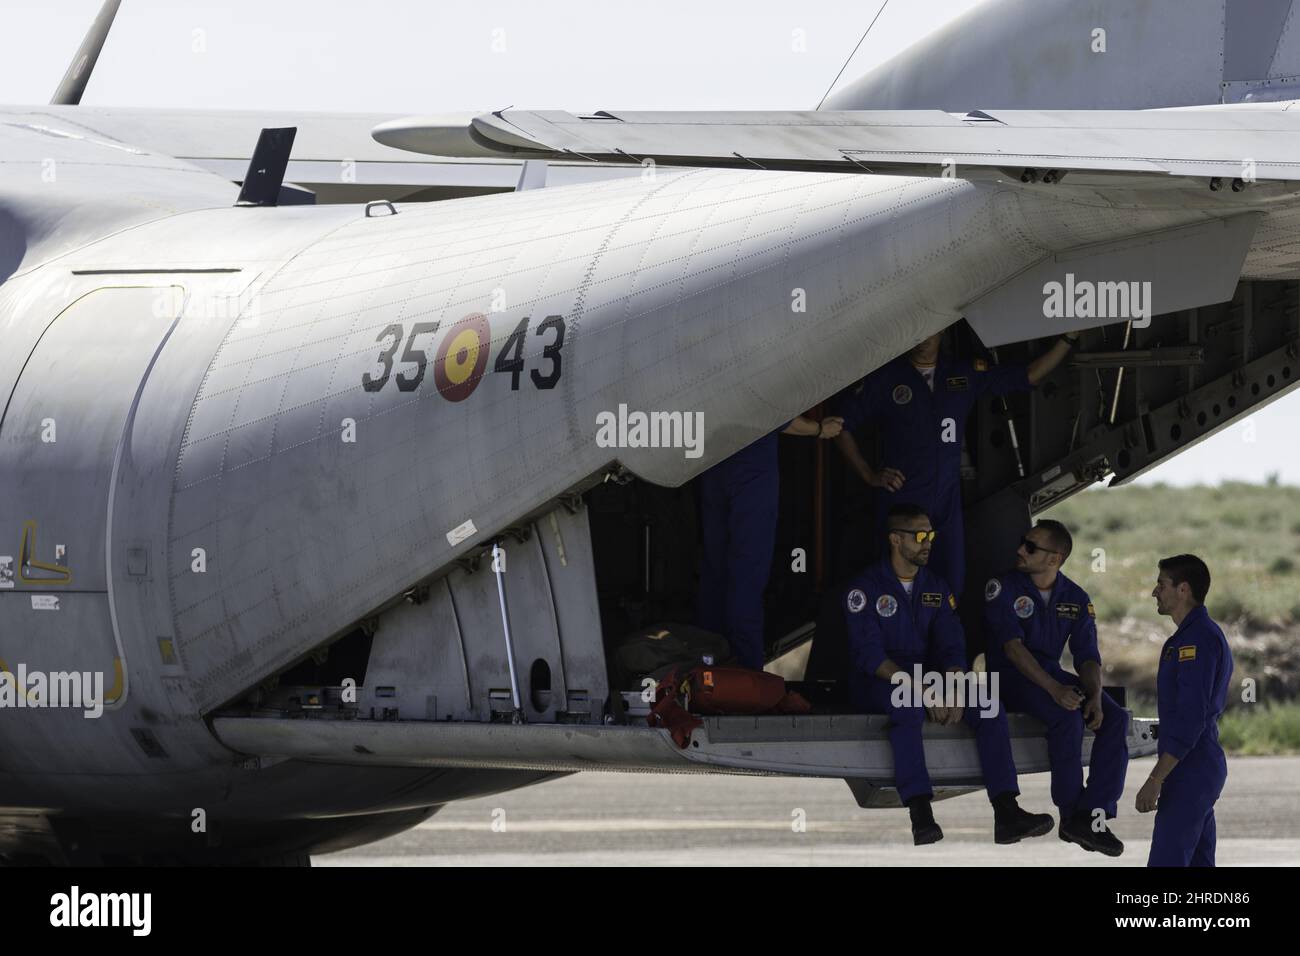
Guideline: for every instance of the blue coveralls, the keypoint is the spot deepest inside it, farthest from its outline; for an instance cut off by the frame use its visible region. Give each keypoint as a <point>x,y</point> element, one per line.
<point>885,623</point>
<point>1191,692</point>
<point>739,500</point>
<point>923,434</point>
<point>1013,609</point>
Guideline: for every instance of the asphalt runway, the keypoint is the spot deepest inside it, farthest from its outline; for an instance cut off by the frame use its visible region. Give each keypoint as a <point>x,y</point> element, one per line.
<point>615,819</point>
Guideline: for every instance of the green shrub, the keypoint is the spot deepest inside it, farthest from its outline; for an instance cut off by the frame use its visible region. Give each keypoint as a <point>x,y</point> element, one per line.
<point>1226,607</point>
<point>1281,565</point>
<point>1112,612</point>
<point>1261,729</point>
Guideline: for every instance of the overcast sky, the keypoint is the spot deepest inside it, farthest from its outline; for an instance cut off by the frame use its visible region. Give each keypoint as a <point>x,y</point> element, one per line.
<point>404,56</point>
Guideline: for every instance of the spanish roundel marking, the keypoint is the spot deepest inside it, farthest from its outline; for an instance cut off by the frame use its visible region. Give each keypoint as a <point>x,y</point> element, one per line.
<point>886,605</point>
<point>857,601</point>
<point>1024,606</point>
<point>462,357</point>
<point>902,395</point>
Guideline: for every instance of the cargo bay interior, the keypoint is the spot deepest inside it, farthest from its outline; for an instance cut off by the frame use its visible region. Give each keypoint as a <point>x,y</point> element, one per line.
<point>1126,399</point>
<point>619,555</point>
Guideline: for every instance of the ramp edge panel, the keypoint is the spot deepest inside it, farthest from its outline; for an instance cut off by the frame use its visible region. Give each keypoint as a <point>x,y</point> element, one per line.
<point>833,746</point>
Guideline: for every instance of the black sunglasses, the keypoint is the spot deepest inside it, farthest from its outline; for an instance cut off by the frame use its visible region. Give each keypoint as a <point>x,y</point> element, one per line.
<point>1032,548</point>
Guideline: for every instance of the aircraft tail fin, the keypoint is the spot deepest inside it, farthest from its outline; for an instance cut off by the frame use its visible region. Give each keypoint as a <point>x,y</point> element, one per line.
<point>74,81</point>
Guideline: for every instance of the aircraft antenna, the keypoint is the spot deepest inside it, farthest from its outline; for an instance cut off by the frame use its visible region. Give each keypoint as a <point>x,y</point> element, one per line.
<point>851,56</point>
<point>74,81</point>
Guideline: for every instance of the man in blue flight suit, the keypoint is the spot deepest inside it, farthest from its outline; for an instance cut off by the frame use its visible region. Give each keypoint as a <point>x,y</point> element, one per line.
<point>921,401</point>
<point>901,615</point>
<point>739,498</point>
<point>1191,692</point>
<point>1031,614</point>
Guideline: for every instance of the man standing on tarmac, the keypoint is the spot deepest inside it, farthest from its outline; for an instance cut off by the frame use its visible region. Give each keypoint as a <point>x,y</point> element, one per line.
<point>1191,692</point>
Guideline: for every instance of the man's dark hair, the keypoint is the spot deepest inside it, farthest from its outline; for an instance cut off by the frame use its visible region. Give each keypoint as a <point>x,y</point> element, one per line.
<point>904,511</point>
<point>1190,569</point>
<point>1058,536</point>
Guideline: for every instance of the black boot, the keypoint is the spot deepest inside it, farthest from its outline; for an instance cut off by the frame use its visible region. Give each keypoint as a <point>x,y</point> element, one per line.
<point>1077,828</point>
<point>924,829</point>
<point>1011,824</point>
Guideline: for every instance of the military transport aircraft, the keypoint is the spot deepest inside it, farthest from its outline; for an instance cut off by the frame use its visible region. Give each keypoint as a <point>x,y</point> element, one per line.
<point>304,463</point>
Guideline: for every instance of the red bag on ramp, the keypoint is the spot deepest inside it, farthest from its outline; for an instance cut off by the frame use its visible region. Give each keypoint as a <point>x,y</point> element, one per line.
<point>706,689</point>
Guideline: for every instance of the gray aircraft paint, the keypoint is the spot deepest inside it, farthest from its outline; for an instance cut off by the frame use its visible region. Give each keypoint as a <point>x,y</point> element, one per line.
<point>676,293</point>
<point>1038,54</point>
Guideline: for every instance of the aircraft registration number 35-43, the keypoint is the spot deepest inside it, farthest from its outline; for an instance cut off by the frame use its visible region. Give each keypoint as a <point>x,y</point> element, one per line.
<point>462,356</point>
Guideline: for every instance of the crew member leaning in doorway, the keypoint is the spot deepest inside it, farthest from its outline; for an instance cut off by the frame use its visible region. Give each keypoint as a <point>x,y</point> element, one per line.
<point>921,402</point>
<point>901,616</point>
<point>1191,693</point>
<point>739,499</point>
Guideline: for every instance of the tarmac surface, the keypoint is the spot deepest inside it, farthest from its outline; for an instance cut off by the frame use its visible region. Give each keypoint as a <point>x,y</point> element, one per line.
<point>618,819</point>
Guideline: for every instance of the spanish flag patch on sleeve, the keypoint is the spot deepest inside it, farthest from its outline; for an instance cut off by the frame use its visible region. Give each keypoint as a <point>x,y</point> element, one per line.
<point>952,602</point>
<point>1187,653</point>
<point>1092,611</point>
<point>981,365</point>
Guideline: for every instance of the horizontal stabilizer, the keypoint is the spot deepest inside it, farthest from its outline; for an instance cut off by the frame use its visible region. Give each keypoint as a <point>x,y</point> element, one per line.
<point>1228,144</point>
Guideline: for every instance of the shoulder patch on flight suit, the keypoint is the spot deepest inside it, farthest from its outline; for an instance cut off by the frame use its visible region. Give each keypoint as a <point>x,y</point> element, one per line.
<point>958,383</point>
<point>1092,611</point>
<point>886,605</point>
<point>1024,606</point>
<point>952,601</point>
<point>1187,653</point>
<point>981,365</point>
<point>992,589</point>
<point>930,599</point>
<point>902,395</point>
<point>1069,611</point>
<point>857,601</point>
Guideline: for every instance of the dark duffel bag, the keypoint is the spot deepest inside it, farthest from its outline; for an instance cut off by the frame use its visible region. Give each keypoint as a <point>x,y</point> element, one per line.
<point>652,649</point>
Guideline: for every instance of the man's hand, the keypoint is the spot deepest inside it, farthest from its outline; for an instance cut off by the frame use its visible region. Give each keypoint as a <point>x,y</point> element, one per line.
<point>938,714</point>
<point>891,479</point>
<point>831,426</point>
<point>1067,696</point>
<point>1149,796</point>
<point>954,716</point>
<point>1092,712</point>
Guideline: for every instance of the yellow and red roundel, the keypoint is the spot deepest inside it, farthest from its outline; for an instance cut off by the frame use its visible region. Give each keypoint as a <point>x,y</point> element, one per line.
<point>462,357</point>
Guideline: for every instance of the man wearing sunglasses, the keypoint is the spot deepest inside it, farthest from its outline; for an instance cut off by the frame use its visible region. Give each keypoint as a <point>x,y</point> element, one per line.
<point>921,402</point>
<point>901,615</point>
<point>1031,614</point>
